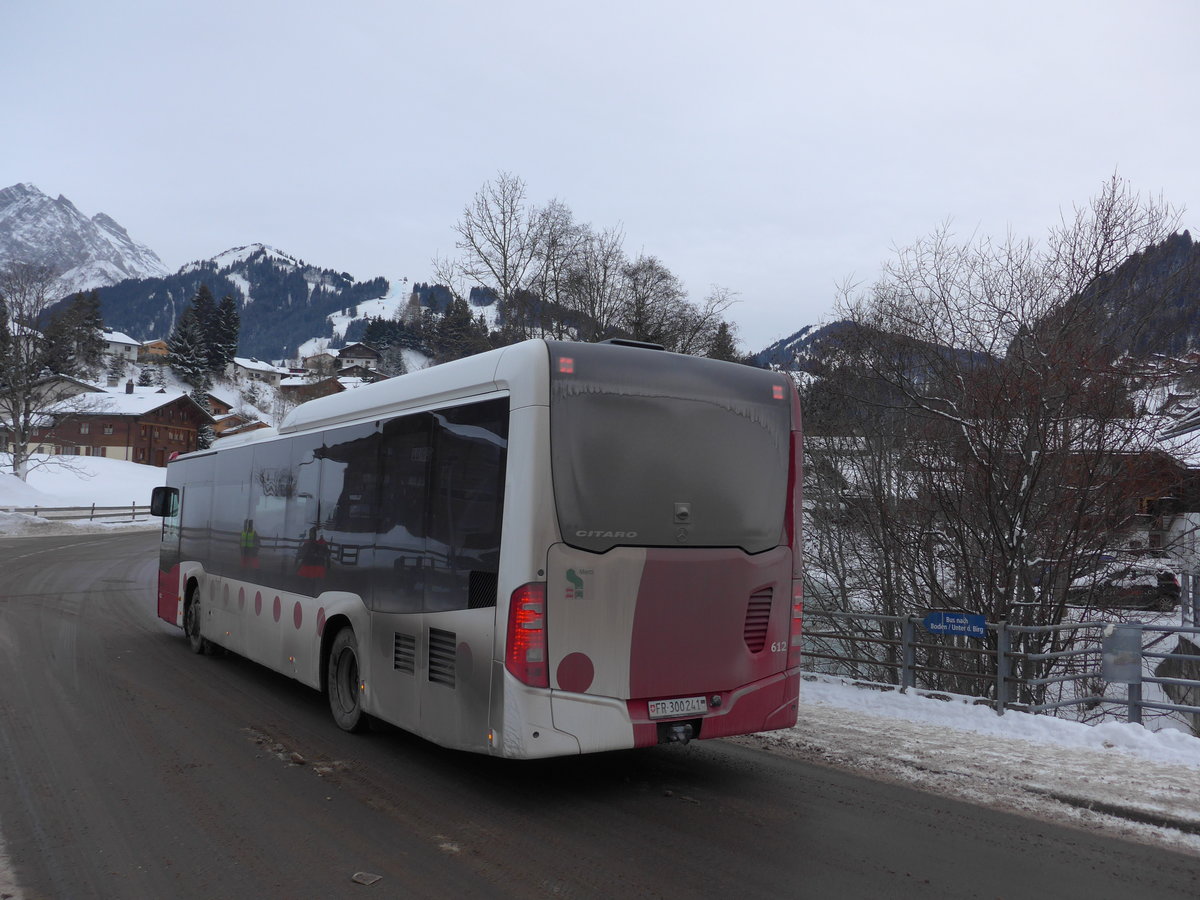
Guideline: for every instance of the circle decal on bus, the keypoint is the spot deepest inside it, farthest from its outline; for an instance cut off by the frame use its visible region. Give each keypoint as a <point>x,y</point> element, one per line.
<point>241,598</point>
<point>575,673</point>
<point>277,609</point>
<point>320,621</point>
<point>298,615</point>
<point>258,603</point>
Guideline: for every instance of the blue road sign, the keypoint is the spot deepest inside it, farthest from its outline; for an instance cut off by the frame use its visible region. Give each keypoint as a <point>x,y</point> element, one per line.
<point>955,623</point>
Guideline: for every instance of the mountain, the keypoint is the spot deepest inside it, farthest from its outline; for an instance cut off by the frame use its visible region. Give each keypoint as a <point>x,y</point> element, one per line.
<point>808,349</point>
<point>283,301</point>
<point>1150,304</point>
<point>87,252</point>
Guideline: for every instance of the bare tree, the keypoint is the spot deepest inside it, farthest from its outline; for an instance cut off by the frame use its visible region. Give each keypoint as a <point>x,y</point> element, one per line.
<point>562,241</point>
<point>981,446</point>
<point>554,277</point>
<point>32,397</point>
<point>653,296</point>
<point>596,287</point>
<point>500,235</point>
<point>697,327</point>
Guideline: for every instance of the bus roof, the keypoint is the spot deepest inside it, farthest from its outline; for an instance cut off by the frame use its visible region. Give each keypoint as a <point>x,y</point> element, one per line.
<point>447,382</point>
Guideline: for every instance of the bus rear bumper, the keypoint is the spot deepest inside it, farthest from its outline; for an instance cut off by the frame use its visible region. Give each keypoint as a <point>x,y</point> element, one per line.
<point>606,723</point>
<point>766,705</point>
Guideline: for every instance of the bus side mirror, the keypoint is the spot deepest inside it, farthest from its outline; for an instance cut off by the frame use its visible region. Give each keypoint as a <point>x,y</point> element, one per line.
<point>164,501</point>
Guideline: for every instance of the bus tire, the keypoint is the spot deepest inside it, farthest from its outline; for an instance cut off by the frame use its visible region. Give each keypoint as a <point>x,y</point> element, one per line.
<point>191,623</point>
<point>344,682</point>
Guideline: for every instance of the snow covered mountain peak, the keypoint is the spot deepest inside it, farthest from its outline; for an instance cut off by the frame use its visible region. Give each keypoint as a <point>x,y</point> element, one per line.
<point>87,252</point>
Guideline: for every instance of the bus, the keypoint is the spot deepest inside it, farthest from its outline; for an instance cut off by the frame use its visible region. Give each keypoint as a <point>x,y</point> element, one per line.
<point>547,549</point>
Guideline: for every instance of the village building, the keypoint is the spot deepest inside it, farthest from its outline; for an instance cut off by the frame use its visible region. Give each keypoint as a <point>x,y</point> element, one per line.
<point>155,349</point>
<point>361,355</point>
<point>136,424</point>
<point>323,363</point>
<point>361,372</point>
<point>302,389</point>
<point>256,370</point>
<point>121,346</point>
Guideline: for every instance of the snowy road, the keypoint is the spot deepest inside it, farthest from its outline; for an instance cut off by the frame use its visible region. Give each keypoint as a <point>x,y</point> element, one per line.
<point>129,767</point>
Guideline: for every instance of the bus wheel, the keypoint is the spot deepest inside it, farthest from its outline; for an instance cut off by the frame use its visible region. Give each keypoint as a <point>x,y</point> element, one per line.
<point>191,623</point>
<point>345,687</point>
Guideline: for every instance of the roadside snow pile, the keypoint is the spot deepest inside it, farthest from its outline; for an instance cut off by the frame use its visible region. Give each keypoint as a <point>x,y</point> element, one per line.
<point>1114,776</point>
<point>75,481</point>
<point>961,713</point>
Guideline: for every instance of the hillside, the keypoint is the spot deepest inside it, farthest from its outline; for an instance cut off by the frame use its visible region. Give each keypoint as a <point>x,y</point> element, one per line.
<point>283,300</point>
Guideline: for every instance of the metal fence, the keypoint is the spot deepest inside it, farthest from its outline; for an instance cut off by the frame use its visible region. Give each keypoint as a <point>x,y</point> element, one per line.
<point>1087,667</point>
<point>129,511</point>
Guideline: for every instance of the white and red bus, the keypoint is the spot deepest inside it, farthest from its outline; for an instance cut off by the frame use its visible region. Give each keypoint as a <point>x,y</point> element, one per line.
<point>552,548</point>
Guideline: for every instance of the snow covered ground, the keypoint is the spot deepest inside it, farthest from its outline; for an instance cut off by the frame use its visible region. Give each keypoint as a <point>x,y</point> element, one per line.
<point>1115,777</point>
<point>81,481</point>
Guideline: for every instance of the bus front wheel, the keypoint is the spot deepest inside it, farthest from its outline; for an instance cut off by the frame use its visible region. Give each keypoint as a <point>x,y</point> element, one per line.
<point>345,686</point>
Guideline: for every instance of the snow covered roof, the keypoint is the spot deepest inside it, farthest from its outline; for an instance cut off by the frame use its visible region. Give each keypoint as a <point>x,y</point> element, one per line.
<point>224,395</point>
<point>257,365</point>
<point>117,337</point>
<point>143,400</point>
<point>358,351</point>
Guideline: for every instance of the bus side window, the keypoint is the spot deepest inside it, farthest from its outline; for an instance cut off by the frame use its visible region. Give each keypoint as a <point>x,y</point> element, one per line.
<point>466,505</point>
<point>400,563</point>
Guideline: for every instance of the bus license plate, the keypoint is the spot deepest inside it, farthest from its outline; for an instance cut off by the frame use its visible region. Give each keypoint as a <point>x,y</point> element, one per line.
<point>683,706</point>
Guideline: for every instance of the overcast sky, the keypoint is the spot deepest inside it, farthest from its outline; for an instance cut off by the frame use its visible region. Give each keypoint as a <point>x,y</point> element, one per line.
<point>776,149</point>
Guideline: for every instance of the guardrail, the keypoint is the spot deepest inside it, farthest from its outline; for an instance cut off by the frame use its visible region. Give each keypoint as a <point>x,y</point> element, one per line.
<point>91,513</point>
<point>1068,668</point>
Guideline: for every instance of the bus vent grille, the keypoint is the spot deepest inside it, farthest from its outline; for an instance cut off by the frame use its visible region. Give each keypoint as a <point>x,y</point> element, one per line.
<point>481,590</point>
<point>404,653</point>
<point>758,617</point>
<point>441,656</point>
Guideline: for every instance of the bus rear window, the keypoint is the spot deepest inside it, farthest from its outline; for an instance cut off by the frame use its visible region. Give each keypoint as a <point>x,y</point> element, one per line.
<point>650,448</point>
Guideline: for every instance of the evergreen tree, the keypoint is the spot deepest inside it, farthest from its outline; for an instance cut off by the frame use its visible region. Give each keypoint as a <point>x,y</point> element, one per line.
<point>204,308</point>
<point>225,334</point>
<point>74,337</point>
<point>116,367</point>
<point>205,436</point>
<point>146,376</point>
<point>458,334</point>
<point>724,345</point>
<point>89,331</point>
<point>188,351</point>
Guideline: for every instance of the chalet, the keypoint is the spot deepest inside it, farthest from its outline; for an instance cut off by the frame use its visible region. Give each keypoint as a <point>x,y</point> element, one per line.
<point>138,424</point>
<point>120,345</point>
<point>358,354</point>
<point>322,363</point>
<point>256,370</point>
<point>156,349</point>
<point>301,390</point>
<point>361,372</point>
<point>226,421</point>
<point>230,423</point>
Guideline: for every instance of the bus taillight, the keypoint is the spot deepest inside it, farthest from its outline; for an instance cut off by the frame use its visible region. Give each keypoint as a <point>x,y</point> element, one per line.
<point>796,631</point>
<point>525,656</point>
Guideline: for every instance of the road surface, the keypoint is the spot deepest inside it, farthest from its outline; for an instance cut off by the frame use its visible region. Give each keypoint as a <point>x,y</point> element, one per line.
<point>131,768</point>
